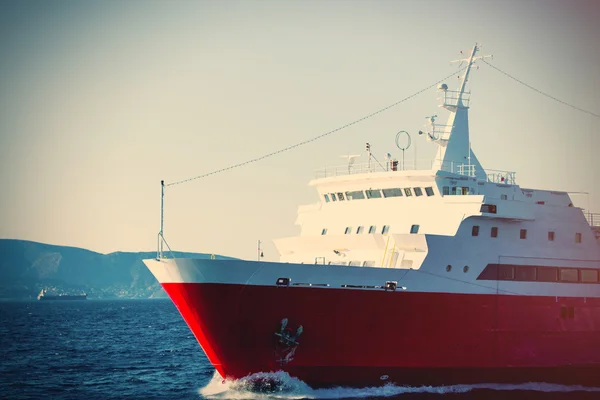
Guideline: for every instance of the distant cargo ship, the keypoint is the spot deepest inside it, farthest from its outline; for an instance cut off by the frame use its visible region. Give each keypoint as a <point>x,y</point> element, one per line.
<point>60,296</point>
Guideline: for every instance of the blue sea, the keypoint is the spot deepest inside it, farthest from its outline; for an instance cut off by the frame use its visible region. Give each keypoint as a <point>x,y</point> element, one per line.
<point>142,349</point>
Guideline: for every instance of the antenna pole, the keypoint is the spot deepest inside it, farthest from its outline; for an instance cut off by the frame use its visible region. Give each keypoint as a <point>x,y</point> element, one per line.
<point>258,256</point>
<point>162,219</point>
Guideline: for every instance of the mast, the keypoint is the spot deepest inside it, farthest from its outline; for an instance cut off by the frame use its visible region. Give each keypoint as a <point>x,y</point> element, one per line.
<point>454,153</point>
<point>159,252</point>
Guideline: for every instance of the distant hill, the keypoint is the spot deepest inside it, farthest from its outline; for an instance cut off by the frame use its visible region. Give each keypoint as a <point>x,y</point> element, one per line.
<point>28,267</point>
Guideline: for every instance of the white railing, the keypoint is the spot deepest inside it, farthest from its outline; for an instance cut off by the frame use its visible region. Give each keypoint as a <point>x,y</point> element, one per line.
<point>593,219</point>
<point>493,176</point>
<point>450,98</point>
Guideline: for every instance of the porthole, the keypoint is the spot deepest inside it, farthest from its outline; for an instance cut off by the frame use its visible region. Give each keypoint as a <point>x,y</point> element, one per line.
<point>466,269</point>
<point>448,268</point>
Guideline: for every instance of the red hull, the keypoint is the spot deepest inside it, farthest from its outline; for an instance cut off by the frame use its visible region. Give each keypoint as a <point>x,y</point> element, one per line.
<point>365,338</point>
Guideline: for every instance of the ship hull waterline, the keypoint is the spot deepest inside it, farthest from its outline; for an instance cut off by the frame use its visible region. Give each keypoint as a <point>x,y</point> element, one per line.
<point>362,338</point>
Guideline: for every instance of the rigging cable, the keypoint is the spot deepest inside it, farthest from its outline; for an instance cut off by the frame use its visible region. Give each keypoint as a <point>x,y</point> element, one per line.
<point>316,137</point>
<point>542,93</point>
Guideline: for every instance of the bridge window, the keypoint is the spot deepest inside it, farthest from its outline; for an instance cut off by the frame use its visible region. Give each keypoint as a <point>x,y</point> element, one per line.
<point>348,230</point>
<point>357,195</point>
<point>386,229</point>
<point>324,231</point>
<point>373,194</point>
<point>333,196</point>
<point>418,191</point>
<point>326,198</point>
<point>394,192</point>
<point>465,191</point>
<point>551,236</point>
<point>475,230</point>
<point>372,229</point>
<point>523,234</point>
<point>360,230</point>
<point>429,191</point>
<point>340,196</point>
<point>453,190</point>
<point>414,229</point>
<point>408,192</point>
<point>354,263</point>
<point>578,237</point>
<point>494,232</point>
<point>445,190</point>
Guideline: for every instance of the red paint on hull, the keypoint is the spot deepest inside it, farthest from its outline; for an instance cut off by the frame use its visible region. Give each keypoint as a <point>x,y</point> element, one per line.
<point>354,337</point>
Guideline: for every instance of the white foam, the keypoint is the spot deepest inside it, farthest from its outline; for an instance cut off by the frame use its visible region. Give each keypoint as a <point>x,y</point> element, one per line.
<point>280,385</point>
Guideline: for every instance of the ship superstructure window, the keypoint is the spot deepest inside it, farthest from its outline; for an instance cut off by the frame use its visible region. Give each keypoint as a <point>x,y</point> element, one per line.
<point>465,191</point>
<point>324,231</point>
<point>523,234</point>
<point>360,230</point>
<point>503,197</point>
<point>354,263</point>
<point>533,273</point>
<point>488,208</point>
<point>333,196</point>
<point>408,192</point>
<point>340,196</point>
<point>548,274</point>
<point>348,230</point>
<point>356,195</point>
<point>393,192</point>
<point>372,229</point>
<point>551,236</point>
<point>454,190</point>
<point>578,237</point>
<point>475,230</point>
<point>569,275</point>
<point>589,276</point>
<point>494,232</point>
<point>386,229</point>
<point>506,272</point>
<point>446,190</point>
<point>429,191</point>
<point>414,229</point>
<point>373,194</point>
<point>326,198</point>
<point>526,273</point>
<point>418,191</point>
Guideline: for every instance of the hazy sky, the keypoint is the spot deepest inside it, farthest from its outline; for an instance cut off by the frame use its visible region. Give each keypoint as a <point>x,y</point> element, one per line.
<point>99,101</point>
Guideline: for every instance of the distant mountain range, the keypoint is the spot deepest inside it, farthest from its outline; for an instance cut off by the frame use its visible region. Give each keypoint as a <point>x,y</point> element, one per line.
<point>28,267</point>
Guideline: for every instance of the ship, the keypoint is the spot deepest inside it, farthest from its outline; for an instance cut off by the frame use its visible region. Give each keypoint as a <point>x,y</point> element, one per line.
<point>453,274</point>
<point>45,294</point>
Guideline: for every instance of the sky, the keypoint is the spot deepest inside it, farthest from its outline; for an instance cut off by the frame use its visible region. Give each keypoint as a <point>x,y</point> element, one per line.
<point>100,101</point>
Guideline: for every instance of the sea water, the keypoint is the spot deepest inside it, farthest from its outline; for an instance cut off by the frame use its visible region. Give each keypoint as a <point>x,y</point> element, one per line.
<point>142,349</point>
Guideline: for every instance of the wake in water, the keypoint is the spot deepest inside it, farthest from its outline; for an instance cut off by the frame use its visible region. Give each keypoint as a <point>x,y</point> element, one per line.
<point>280,385</point>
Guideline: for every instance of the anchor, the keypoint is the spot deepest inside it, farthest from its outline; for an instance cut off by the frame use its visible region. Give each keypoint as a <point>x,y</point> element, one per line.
<point>287,342</point>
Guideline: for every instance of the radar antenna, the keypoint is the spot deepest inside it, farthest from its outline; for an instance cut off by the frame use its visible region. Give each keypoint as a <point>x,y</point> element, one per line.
<point>351,158</point>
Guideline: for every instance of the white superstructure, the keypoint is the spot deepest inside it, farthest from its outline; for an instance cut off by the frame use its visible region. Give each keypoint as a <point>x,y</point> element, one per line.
<point>397,218</point>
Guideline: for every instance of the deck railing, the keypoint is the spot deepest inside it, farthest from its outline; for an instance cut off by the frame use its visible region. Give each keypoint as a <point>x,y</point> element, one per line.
<point>593,219</point>
<point>493,176</point>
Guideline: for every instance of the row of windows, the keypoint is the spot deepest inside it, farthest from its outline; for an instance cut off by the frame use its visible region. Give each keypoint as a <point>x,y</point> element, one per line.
<point>522,233</point>
<point>457,190</point>
<point>529,273</point>
<point>372,229</point>
<point>377,194</point>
